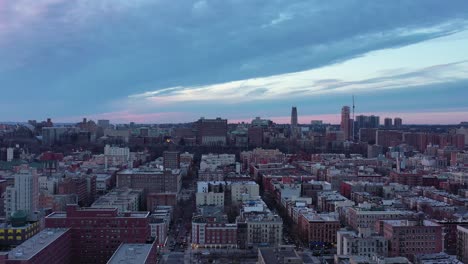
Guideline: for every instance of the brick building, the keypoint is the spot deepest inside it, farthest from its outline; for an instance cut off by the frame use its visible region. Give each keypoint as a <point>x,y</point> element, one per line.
<point>211,131</point>
<point>318,228</point>
<point>96,233</point>
<point>51,246</point>
<point>410,238</point>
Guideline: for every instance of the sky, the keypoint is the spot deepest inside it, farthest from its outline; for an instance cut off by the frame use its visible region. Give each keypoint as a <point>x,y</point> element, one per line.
<point>166,61</point>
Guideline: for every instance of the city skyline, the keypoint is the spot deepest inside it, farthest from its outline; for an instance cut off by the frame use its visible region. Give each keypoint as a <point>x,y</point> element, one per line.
<point>163,61</point>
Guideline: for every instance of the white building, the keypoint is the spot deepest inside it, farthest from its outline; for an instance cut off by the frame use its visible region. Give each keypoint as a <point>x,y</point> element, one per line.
<point>213,161</point>
<point>114,156</point>
<point>350,243</point>
<point>10,154</point>
<point>24,194</point>
<point>125,200</point>
<point>48,184</point>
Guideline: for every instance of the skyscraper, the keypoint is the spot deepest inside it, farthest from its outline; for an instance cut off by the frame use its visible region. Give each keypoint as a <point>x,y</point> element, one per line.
<point>294,127</point>
<point>398,122</point>
<point>345,122</point>
<point>374,121</point>
<point>388,122</point>
<point>294,117</point>
<point>363,121</point>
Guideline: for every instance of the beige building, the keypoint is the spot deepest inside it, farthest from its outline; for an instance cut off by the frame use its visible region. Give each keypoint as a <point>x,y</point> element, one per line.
<point>242,191</point>
<point>210,198</point>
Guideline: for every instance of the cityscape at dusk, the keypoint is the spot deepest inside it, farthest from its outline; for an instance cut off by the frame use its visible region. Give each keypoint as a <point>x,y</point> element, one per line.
<point>233,131</point>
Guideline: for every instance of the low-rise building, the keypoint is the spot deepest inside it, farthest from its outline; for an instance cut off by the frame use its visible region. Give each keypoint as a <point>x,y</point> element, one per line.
<point>210,229</point>
<point>211,194</point>
<point>262,227</point>
<point>123,199</point>
<point>242,191</point>
<point>279,255</point>
<point>366,215</point>
<point>409,238</point>
<point>51,246</point>
<point>351,243</point>
<point>318,229</point>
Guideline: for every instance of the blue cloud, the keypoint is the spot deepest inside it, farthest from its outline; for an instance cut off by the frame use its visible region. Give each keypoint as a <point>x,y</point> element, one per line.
<point>75,57</point>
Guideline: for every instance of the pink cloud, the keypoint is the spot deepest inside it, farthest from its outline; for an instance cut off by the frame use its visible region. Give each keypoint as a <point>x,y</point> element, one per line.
<point>127,117</point>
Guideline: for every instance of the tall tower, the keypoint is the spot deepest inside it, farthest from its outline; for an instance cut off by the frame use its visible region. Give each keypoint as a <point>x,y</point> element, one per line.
<point>294,117</point>
<point>345,121</point>
<point>294,128</point>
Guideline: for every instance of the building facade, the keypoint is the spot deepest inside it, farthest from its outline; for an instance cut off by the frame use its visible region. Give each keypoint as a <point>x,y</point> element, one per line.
<point>97,233</point>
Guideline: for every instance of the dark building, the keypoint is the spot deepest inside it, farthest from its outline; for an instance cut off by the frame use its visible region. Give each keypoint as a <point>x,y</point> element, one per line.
<point>211,131</point>
<point>255,135</point>
<point>171,160</point>
<point>363,121</point>
<point>367,135</point>
<point>398,122</point>
<point>388,122</point>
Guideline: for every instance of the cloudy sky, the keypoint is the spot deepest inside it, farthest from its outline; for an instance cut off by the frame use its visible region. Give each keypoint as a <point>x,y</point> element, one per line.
<point>174,61</point>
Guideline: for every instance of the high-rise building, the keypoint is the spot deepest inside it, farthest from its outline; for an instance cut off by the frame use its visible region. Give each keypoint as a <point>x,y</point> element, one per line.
<point>211,131</point>
<point>374,121</point>
<point>24,194</point>
<point>363,121</point>
<point>255,135</point>
<point>98,232</point>
<point>10,154</point>
<point>52,135</point>
<point>294,126</point>
<point>346,125</point>
<point>398,122</point>
<point>103,123</point>
<point>388,122</point>
<point>171,160</point>
<point>294,116</point>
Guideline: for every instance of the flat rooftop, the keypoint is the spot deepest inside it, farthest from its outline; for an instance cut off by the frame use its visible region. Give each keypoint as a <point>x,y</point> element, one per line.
<point>410,223</point>
<point>277,255</point>
<point>131,253</point>
<point>36,244</point>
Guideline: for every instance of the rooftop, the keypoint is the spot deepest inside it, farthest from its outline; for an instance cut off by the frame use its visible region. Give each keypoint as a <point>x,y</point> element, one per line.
<point>36,244</point>
<point>277,255</point>
<point>131,253</point>
<point>410,223</point>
